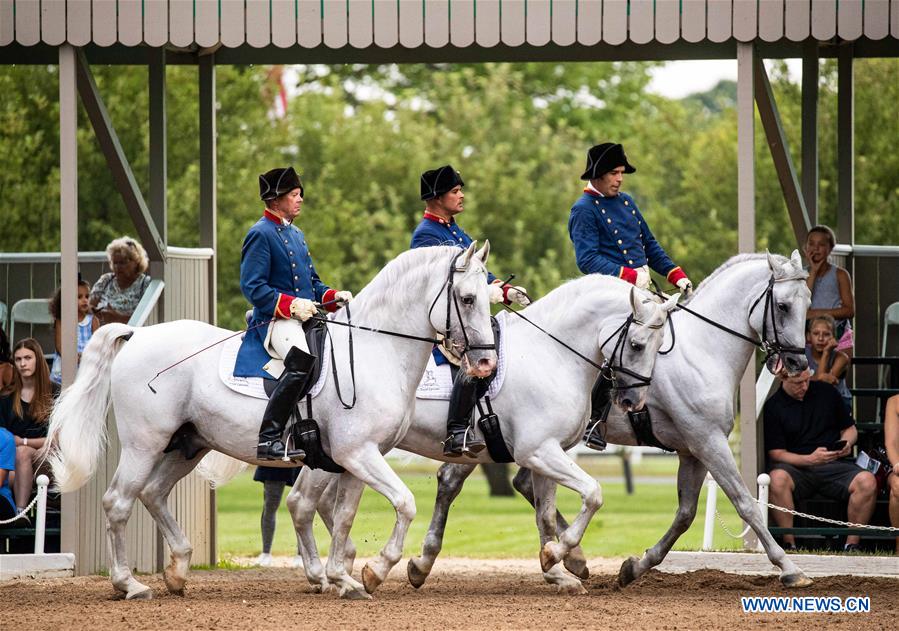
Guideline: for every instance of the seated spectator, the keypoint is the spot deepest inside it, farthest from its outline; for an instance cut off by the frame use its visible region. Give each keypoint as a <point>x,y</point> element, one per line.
<point>24,410</point>
<point>7,467</point>
<point>891,438</point>
<point>830,285</point>
<point>825,361</point>
<point>87,324</point>
<point>6,369</point>
<point>115,295</point>
<point>809,436</point>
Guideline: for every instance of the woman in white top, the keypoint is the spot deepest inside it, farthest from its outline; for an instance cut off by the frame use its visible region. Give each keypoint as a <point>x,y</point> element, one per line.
<point>115,296</point>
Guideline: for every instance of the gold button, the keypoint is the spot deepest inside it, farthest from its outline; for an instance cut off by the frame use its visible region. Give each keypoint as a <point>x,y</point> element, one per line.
<point>625,202</point>
<point>604,211</point>
<point>609,220</point>
<point>616,230</point>
<point>630,262</point>
<point>625,251</point>
<point>619,241</point>
<point>633,212</point>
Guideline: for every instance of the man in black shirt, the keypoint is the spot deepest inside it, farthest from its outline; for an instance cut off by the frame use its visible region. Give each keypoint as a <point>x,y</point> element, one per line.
<point>808,437</point>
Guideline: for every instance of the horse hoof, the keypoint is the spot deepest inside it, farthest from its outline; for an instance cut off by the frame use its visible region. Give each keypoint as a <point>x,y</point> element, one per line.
<point>175,585</point>
<point>796,580</point>
<point>574,588</point>
<point>145,593</point>
<point>355,594</point>
<point>370,580</point>
<point>628,572</point>
<point>417,578</point>
<point>548,559</point>
<point>578,567</point>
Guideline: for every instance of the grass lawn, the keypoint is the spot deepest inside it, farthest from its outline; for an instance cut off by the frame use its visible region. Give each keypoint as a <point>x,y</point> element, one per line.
<point>483,526</point>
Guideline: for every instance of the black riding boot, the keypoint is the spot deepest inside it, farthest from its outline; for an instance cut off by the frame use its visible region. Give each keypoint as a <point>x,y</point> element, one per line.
<point>292,384</point>
<point>460,438</point>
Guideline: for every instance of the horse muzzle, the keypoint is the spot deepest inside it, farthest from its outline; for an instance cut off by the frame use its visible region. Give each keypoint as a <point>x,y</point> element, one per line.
<point>480,364</point>
<point>631,399</point>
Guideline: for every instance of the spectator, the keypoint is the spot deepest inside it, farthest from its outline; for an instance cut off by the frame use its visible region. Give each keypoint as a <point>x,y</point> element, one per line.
<point>7,467</point>
<point>808,438</point>
<point>891,438</point>
<point>6,369</point>
<point>87,324</point>
<point>273,479</point>
<point>115,295</point>
<point>825,361</point>
<point>830,285</point>
<point>24,409</point>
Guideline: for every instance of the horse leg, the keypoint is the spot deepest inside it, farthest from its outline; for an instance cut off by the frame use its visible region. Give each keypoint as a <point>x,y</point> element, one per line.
<point>715,454</point>
<point>371,468</point>
<point>690,475</point>
<point>154,495</point>
<point>349,492</point>
<point>301,502</point>
<point>576,561</point>
<point>544,491</point>
<point>135,466</point>
<point>326,512</point>
<point>450,478</point>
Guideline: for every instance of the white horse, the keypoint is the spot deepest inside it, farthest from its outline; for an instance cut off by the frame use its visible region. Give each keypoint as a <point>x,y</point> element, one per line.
<point>424,292</point>
<point>691,402</point>
<point>542,412</point>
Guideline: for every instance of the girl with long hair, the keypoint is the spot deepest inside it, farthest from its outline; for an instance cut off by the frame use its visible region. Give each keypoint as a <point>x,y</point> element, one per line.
<point>25,406</point>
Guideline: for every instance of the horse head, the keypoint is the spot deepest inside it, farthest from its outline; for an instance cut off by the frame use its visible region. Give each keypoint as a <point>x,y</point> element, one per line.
<point>462,312</point>
<point>634,354</point>
<point>779,318</point>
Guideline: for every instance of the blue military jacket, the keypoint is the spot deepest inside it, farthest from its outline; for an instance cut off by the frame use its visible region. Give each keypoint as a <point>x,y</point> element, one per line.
<point>610,234</point>
<point>434,230</point>
<point>275,268</point>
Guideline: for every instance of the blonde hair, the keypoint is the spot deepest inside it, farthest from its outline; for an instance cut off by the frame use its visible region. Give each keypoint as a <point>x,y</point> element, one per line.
<point>130,248</point>
<point>827,319</point>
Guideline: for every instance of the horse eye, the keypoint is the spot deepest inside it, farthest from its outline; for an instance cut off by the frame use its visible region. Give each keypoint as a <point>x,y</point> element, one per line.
<point>468,300</point>
<point>637,346</point>
<point>784,308</point>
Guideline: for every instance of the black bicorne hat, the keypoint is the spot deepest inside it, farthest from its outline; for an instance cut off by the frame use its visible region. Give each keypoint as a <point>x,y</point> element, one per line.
<point>603,158</point>
<point>439,181</point>
<point>278,182</point>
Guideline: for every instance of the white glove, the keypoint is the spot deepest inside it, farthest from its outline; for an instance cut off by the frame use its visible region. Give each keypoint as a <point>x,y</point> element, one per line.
<point>343,297</point>
<point>495,293</point>
<point>643,277</point>
<point>302,309</point>
<point>519,296</point>
<point>685,285</point>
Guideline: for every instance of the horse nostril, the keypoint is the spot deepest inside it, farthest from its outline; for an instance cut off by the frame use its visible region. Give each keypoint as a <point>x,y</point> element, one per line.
<point>627,403</point>
<point>485,364</point>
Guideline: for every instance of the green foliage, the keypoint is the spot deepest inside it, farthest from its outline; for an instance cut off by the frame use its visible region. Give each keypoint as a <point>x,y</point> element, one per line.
<point>361,135</point>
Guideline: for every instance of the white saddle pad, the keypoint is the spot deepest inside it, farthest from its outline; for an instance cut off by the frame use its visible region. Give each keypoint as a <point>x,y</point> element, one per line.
<point>253,386</point>
<point>437,382</point>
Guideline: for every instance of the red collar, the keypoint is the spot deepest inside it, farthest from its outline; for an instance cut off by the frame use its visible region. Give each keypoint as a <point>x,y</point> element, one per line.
<point>435,218</point>
<point>267,214</point>
<point>591,192</point>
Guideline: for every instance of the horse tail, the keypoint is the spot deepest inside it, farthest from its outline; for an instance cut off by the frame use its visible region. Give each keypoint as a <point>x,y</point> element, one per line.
<point>77,428</point>
<point>219,468</point>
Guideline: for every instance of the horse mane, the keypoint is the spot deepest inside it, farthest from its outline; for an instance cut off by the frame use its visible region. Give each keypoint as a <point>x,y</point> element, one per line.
<point>385,291</point>
<point>560,300</point>
<point>743,258</point>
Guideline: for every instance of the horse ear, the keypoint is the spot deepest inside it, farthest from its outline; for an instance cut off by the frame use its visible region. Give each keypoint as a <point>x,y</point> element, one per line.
<point>796,260</point>
<point>635,302</point>
<point>772,264</point>
<point>671,303</point>
<point>484,252</point>
<point>466,258</point>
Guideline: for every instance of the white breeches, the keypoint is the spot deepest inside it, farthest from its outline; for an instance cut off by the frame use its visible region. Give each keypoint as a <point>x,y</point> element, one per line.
<point>282,336</point>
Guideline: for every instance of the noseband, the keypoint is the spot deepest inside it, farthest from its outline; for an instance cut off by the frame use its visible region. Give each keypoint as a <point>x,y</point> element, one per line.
<point>610,369</point>
<point>446,341</point>
<point>775,347</point>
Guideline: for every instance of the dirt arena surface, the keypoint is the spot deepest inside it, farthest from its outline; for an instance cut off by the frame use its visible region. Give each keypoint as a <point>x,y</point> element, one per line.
<point>461,594</point>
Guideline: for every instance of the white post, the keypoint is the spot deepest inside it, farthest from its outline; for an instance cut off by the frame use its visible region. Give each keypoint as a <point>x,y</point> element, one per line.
<point>711,499</point>
<point>764,481</point>
<point>40,528</point>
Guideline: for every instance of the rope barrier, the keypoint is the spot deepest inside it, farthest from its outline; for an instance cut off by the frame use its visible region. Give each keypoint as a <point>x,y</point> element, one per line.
<point>23,513</point>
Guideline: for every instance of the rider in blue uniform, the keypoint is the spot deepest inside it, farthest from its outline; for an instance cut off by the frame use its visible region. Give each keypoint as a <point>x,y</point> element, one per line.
<point>609,233</point>
<point>278,278</point>
<point>441,189</point>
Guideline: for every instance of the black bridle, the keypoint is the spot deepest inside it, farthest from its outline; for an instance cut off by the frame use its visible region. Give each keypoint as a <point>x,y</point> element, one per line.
<point>608,368</point>
<point>445,340</point>
<point>768,346</point>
